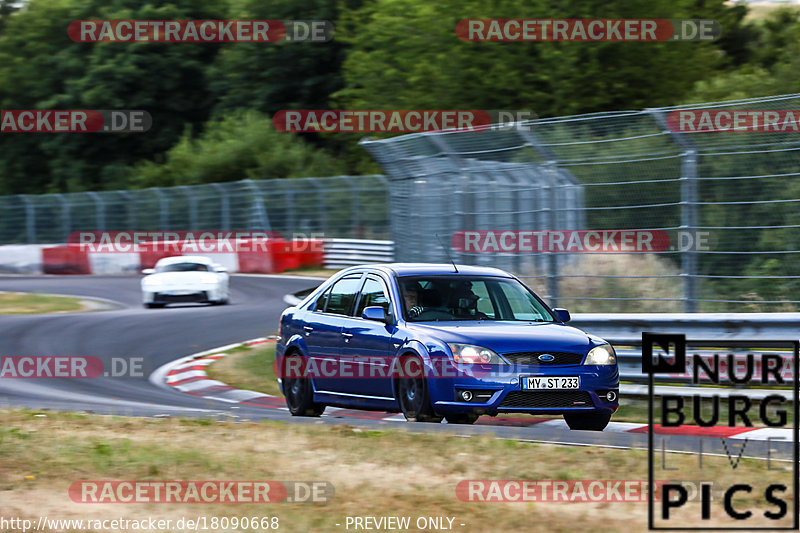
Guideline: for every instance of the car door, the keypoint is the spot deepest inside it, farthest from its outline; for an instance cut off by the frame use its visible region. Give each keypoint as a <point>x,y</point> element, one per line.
<point>323,332</point>
<point>365,350</point>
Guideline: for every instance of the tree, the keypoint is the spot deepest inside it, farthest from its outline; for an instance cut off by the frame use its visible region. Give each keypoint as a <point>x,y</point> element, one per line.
<point>773,66</point>
<point>241,146</point>
<point>7,7</point>
<point>269,77</point>
<point>405,54</point>
<point>41,68</point>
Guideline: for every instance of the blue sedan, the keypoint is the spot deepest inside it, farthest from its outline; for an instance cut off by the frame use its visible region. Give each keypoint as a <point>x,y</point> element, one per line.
<point>441,341</point>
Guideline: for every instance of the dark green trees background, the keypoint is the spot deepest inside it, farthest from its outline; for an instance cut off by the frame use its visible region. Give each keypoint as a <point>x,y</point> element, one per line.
<point>211,104</point>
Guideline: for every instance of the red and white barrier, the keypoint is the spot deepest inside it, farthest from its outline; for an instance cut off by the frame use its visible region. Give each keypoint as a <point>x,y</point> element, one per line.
<point>275,256</point>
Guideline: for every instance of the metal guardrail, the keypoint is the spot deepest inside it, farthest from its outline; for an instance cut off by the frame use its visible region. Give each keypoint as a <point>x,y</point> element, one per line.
<point>624,332</point>
<point>341,253</point>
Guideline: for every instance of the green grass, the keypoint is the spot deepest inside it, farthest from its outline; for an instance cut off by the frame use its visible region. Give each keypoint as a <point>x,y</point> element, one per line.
<point>19,303</point>
<point>374,472</point>
<point>249,368</point>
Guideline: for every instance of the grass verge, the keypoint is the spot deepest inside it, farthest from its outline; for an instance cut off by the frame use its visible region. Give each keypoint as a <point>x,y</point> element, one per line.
<point>249,368</point>
<point>375,473</point>
<point>22,303</point>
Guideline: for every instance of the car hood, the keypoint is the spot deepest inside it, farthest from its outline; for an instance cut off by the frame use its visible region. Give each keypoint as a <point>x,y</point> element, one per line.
<point>508,337</point>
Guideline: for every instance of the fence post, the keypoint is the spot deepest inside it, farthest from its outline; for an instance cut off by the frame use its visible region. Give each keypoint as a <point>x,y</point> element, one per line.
<point>258,211</point>
<point>65,216</point>
<point>322,208</point>
<point>99,211</point>
<point>689,223</point>
<point>688,208</point>
<point>30,219</point>
<point>552,260</point>
<point>163,208</point>
<point>191,199</point>
<point>355,203</point>
<point>225,208</point>
<point>130,212</point>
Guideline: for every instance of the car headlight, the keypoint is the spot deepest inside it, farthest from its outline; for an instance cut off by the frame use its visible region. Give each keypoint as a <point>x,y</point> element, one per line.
<point>470,354</point>
<point>209,278</point>
<point>154,282</point>
<point>601,355</point>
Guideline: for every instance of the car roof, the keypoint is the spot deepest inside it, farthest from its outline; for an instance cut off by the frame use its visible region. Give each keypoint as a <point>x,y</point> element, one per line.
<point>185,259</point>
<point>425,269</point>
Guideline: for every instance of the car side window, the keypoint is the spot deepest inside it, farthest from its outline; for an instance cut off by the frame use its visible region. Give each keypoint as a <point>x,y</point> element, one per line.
<point>372,294</point>
<point>342,296</point>
<point>322,300</point>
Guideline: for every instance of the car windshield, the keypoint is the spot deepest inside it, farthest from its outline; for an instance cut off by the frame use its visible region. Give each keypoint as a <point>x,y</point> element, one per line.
<point>470,298</point>
<point>183,267</point>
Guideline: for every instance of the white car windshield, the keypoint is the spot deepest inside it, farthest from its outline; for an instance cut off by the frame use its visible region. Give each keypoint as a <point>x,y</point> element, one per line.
<point>183,267</point>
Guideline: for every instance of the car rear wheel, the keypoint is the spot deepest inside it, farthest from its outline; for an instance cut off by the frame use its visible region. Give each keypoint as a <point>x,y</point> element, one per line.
<point>587,421</point>
<point>461,418</point>
<point>412,391</point>
<point>300,395</point>
<point>151,305</point>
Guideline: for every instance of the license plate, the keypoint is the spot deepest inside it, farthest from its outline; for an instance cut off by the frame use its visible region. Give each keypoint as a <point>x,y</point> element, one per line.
<point>178,293</point>
<point>550,382</point>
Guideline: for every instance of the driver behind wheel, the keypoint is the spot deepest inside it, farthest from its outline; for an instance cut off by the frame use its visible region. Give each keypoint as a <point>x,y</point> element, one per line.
<point>411,300</point>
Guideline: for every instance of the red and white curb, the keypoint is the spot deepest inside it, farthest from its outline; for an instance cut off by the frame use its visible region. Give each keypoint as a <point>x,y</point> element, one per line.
<point>188,375</point>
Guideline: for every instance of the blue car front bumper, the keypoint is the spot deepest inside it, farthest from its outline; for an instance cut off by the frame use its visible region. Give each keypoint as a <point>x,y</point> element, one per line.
<point>508,396</point>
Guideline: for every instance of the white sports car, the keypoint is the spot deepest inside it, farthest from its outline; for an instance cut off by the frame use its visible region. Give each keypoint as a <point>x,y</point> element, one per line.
<point>187,278</point>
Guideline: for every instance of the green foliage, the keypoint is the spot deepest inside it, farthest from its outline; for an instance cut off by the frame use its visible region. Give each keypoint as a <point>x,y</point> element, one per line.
<point>431,68</point>
<point>773,65</point>
<point>41,68</point>
<point>241,146</point>
<point>6,8</point>
<point>283,75</point>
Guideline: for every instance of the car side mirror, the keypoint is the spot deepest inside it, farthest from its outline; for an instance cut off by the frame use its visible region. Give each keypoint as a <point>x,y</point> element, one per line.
<point>374,312</point>
<point>562,314</point>
<point>148,271</point>
<point>221,269</point>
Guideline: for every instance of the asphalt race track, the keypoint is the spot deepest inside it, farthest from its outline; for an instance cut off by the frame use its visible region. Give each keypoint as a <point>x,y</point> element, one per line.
<point>156,335</point>
<point>159,336</point>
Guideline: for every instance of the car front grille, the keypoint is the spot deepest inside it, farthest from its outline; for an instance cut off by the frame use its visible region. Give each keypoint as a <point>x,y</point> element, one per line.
<point>532,358</point>
<point>567,398</point>
<point>200,296</point>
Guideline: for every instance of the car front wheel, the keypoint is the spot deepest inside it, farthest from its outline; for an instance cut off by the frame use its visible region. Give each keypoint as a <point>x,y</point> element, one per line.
<point>300,395</point>
<point>412,391</point>
<point>587,421</point>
